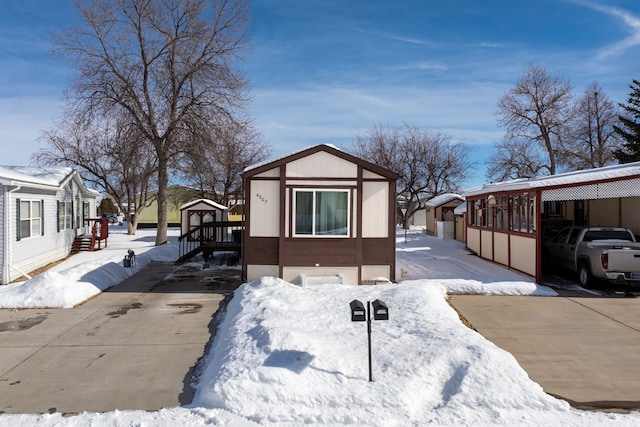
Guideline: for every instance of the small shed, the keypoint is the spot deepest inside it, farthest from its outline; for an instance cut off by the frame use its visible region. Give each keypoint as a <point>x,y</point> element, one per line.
<point>440,214</point>
<point>320,213</point>
<point>199,212</point>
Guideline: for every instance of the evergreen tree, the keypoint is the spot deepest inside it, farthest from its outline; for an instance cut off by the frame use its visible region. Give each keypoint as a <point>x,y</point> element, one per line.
<point>107,206</point>
<point>629,128</point>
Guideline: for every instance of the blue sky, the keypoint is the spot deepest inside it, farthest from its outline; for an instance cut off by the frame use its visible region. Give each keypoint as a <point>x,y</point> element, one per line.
<point>325,71</point>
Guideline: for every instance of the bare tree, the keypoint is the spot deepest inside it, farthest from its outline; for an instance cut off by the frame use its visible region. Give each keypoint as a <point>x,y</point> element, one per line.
<point>429,163</point>
<point>217,170</point>
<point>519,158</point>
<point>593,138</point>
<point>538,109</point>
<point>113,155</point>
<point>167,64</point>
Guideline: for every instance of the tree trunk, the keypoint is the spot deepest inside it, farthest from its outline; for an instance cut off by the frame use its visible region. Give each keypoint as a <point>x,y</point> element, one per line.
<point>132,227</point>
<point>163,183</point>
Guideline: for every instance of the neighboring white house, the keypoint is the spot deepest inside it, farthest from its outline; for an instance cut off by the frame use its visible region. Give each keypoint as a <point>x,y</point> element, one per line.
<point>43,210</point>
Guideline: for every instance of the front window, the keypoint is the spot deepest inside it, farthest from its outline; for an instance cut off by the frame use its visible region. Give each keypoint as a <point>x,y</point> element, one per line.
<point>65,215</point>
<point>30,218</point>
<point>86,210</point>
<point>321,213</point>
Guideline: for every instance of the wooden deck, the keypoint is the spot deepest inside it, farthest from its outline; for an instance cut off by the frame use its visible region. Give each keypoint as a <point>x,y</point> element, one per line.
<point>209,238</point>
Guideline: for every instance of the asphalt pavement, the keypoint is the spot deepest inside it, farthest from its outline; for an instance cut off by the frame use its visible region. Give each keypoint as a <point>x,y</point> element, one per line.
<point>135,346</point>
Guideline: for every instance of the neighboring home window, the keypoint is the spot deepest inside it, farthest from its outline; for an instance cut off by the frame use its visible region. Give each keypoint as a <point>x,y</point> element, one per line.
<point>65,215</point>
<point>321,213</point>
<point>86,210</point>
<point>30,218</point>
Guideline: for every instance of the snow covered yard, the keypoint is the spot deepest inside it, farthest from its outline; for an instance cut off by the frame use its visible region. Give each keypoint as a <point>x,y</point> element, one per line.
<point>290,355</point>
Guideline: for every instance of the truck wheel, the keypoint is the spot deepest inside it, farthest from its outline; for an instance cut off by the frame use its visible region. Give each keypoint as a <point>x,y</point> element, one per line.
<point>584,276</point>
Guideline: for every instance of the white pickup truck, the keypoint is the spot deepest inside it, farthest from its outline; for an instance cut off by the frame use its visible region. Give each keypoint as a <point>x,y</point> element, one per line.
<point>596,253</point>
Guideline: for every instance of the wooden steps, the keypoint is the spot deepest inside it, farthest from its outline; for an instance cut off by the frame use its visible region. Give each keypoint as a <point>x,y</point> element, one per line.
<point>83,243</point>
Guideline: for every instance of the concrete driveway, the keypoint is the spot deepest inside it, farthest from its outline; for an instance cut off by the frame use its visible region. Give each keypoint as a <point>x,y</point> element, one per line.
<point>133,347</point>
<point>584,349</point>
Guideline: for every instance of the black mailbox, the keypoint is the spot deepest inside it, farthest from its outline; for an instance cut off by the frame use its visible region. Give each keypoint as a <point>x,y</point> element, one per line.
<point>358,313</point>
<point>380,310</point>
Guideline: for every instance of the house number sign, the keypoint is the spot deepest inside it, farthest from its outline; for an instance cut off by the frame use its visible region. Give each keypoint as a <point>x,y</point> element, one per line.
<point>261,198</point>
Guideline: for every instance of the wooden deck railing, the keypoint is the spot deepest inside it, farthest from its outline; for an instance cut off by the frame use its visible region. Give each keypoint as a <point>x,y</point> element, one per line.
<point>210,237</point>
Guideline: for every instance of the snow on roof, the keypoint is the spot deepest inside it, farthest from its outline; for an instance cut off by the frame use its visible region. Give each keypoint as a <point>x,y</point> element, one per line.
<point>52,176</point>
<point>443,199</point>
<point>460,209</point>
<point>266,162</point>
<point>564,179</point>
<point>207,201</point>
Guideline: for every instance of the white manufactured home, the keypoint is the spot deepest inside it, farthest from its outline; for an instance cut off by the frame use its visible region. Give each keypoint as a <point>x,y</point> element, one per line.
<point>43,210</point>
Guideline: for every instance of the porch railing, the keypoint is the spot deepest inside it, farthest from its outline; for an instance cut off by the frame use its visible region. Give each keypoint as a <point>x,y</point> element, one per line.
<point>210,237</point>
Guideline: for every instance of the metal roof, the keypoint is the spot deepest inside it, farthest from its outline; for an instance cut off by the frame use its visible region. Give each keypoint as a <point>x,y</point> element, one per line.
<point>600,183</point>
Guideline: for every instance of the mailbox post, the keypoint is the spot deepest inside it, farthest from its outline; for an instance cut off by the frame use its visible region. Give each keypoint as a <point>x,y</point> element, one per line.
<point>360,314</point>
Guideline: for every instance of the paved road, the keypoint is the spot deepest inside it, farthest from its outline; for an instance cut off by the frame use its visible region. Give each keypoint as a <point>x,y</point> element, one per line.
<point>133,347</point>
<point>583,349</point>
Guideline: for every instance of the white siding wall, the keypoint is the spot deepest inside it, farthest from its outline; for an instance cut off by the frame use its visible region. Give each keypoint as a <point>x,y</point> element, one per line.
<point>271,173</point>
<point>419,218</point>
<point>287,218</point>
<point>265,208</point>
<point>322,165</point>
<point>36,251</point>
<point>367,174</point>
<point>375,209</point>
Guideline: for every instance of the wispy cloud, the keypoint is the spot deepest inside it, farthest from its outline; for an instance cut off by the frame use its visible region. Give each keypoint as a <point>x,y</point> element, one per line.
<point>422,65</point>
<point>492,45</point>
<point>633,25</point>
<point>398,37</point>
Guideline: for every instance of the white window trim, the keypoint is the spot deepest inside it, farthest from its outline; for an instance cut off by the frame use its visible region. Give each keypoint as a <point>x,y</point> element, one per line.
<point>65,218</point>
<point>31,218</point>
<point>313,219</point>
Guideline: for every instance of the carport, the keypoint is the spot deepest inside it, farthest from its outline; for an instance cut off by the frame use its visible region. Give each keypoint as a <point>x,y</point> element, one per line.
<point>507,221</point>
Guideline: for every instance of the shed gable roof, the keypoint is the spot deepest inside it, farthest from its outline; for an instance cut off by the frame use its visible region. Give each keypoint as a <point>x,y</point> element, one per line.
<point>205,201</point>
<point>443,199</point>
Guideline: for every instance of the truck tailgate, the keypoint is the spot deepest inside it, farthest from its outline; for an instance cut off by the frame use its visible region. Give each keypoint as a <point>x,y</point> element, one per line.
<point>625,260</point>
